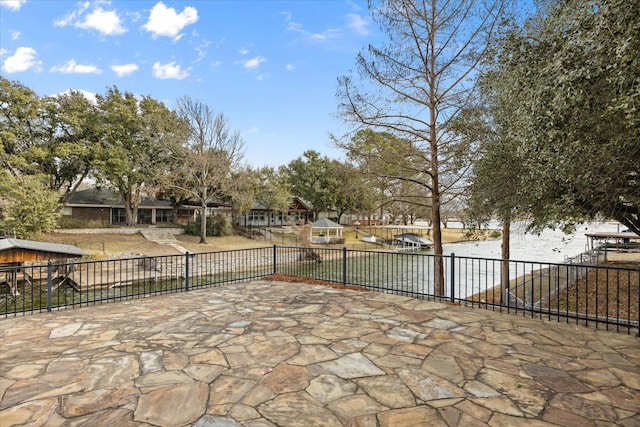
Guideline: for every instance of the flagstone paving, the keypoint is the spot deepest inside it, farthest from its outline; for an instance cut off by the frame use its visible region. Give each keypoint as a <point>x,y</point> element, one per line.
<point>287,354</point>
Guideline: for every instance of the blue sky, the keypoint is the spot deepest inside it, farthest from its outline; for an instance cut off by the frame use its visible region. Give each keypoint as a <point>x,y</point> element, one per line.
<point>269,66</point>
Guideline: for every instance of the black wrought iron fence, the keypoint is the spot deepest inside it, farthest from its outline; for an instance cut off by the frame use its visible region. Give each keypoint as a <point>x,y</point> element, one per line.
<point>594,295</point>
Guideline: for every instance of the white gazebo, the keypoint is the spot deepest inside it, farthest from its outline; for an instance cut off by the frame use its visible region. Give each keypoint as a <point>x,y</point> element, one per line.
<point>325,231</point>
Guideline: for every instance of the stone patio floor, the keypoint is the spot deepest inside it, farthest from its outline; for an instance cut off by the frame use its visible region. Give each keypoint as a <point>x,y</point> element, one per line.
<point>287,354</point>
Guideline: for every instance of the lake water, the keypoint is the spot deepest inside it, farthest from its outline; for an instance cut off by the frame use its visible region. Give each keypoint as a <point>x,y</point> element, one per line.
<point>550,246</point>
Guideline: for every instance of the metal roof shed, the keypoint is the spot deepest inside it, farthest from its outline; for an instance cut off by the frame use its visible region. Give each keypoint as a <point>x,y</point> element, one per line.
<point>18,251</point>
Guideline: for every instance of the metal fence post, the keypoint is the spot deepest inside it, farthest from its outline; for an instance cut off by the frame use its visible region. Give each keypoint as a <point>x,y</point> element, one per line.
<point>453,277</point>
<point>275,260</point>
<point>49,285</point>
<point>186,271</point>
<point>638,334</point>
<point>344,265</point>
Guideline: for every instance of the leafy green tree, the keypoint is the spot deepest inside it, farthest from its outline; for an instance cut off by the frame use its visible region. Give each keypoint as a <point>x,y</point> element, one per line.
<point>354,193</point>
<point>274,190</point>
<point>20,125</point>
<point>242,191</point>
<point>571,77</point>
<point>416,85</point>
<point>312,179</point>
<point>55,136</point>
<point>68,150</point>
<point>30,207</point>
<point>136,136</point>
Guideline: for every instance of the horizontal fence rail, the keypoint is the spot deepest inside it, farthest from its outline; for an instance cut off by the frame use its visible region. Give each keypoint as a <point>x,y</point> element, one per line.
<point>581,290</point>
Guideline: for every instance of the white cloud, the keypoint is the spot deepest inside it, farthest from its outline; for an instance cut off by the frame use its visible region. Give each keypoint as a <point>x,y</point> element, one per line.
<point>105,21</point>
<point>253,63</point>
<point>290,67</point>
<point>12,4</point>
<point>90,96</point>
<point>71,67</point>
<point>15,35</point>
<point>202,50</point>
<point>330,34</point>
<point>243,51</point>
<point>164,21</point>
<point>124,69</point>
<point>23,59</point>
<point>356,23</point>
<point>169,71</point>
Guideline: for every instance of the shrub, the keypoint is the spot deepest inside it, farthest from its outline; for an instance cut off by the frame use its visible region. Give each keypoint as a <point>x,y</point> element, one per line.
<point>217,225</point>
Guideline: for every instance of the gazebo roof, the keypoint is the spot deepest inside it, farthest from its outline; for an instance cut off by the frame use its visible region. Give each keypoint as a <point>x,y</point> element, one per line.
<point>326,223</point>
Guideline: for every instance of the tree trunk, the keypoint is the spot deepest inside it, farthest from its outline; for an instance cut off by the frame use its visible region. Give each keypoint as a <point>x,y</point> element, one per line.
<point>203,223</point>
<point>504,274</point>
<point>129,211</point>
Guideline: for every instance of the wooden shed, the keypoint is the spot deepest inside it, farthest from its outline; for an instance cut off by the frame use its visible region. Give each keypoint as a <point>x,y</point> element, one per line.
<point>18,251</point>
<point>15,254</point>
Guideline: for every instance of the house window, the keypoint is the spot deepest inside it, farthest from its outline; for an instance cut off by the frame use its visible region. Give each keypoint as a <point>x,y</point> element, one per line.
<point>163,215</point>
<point>144,216</point>
<point>256,217</point>
<point>118,216</point>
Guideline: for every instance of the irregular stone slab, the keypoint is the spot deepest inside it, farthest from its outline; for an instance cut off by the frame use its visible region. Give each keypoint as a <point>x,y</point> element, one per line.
<point>151,361</point>
<point>173,406</point>
<point>119,417</point>
<point>272,350</point>
<point>356,405</point>
<point>529,395</point>
<point>564,418</point>
<point>226,389</point>
<point>403,334</point>
<point>576,404</point>
<point>444,366</point>
<point>352,366</point>
<point>36,413</point>
<point>388,390</point>
<point>631,381</point>
<point>204,373</point>
<point>287,378</point>
<point>502,420</point>
<point>310,354</point>
<point>163,378</point>
<point>85,403</point>
<point>327,388</point>
<point>502,405</point>
<point>439,323</point>
<point>216,421</point>
<point>564,384</point>
<point>214,357</point>
<point>418,416</point>
<point>65,331</point>
<point>286,410</point>
<point>23,372</point>
<point>479,389</point>
<point>110,373</point>
<point>428,386</point>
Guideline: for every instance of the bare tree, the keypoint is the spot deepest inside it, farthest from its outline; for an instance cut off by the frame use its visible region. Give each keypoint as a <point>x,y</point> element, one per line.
<point>212,153</point>
<point>414,87</point>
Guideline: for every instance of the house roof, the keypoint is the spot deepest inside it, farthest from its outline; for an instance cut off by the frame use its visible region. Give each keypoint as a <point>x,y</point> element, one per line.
<point>257,206</point>
<point>325,223</point>
<point>106,197</point>
<point>6,244</point>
